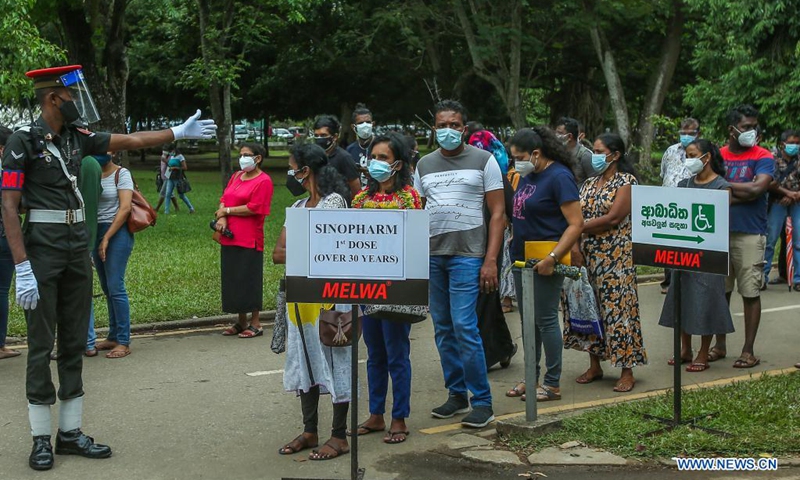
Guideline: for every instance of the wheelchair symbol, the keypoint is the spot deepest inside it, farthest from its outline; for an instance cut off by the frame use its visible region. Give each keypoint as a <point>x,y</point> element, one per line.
<point>701,223</point>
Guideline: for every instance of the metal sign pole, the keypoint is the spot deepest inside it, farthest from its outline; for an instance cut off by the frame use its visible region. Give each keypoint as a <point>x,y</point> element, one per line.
<point>529,343</point>
<point>355,472</point>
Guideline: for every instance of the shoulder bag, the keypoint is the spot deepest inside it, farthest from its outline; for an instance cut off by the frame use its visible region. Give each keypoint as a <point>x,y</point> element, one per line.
<point>142,214</point>
<point>398,313</point>
<point>335,328</point>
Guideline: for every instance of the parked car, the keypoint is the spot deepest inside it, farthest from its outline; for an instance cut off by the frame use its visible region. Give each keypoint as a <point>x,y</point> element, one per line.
<point>241,133</point>
<point>297,131</point>
<point>283,135</point>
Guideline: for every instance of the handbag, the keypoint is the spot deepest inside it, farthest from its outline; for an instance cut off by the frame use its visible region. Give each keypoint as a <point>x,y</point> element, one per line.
<point>278,344</point>
<point>183,185</point>
<point>584,312</point>
<point>398,313</point>
<point>142,214</point>
<point>159,182</point>
<point>335,328</point>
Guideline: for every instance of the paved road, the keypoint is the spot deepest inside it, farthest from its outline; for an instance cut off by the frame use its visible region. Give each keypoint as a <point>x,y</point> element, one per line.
<point>183,406</point>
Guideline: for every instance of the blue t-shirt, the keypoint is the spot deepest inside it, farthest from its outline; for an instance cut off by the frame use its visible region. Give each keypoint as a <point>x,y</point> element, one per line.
<point>750,217</point>
<point>358,154</point>
<point>537,207</point>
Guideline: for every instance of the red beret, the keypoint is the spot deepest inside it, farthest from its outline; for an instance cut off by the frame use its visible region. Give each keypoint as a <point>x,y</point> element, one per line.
<point>51,77</point>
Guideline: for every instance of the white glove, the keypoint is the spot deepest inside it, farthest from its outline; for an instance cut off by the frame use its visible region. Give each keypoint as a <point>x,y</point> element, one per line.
<point>27,287</point>
<point>193,128</point>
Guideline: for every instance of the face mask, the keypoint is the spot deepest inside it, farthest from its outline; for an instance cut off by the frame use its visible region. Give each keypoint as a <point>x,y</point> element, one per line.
<point>69,111</point>
<point>380,171</point>
<point>564,138</point>
<point>294,185</point>
<point>247,163</point>
<point>324,142</point>
<point>791,149</point>
<point>102,159</point>
<point>599,162</point>
<point>747,139</point>
<point>364,130</point>
<point>695,165</point>
<point>524,167</point>
<point>687,139</point>
<point>448,138</point>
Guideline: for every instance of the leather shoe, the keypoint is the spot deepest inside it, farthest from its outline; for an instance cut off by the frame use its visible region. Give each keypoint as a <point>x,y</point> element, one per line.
<point>42,454</point>
<point>75,442</point>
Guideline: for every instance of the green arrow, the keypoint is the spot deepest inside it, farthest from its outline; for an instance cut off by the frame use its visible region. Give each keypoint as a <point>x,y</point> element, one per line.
<point>683,238</point>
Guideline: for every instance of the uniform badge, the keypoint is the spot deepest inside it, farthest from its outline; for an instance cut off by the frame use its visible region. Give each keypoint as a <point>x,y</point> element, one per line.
<point>85,132</point>
<point>16,155</point>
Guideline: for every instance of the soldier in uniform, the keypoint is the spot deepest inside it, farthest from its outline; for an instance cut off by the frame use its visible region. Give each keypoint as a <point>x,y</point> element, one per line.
<point>51,253</point>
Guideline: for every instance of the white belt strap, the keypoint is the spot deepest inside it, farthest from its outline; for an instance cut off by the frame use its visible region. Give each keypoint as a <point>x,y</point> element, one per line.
<point>55,216</point>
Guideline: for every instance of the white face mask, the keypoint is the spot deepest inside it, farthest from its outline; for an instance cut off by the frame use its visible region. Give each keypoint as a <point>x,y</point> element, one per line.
<point>364,130</point>
<point>247,163</point>
<point>747,139</point>
<point>524,167</point>
<point>695,165</point>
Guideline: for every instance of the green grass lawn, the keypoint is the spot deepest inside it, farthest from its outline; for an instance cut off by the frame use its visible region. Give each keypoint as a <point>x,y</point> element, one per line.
<point>761,415</point>
<point>173,272</point>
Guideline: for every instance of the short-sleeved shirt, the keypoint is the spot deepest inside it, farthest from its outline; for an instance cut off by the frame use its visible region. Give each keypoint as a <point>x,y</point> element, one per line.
<point>108,206</point>
<point>787,174</point>
<point>343,163</point>
<point>455,189</point>
<point>40,178</point>
<point>256,193</point>
<point>750,217</point>
<point>583,158</point>
<point>718,183</point>
<point>89,185</point>
<point>359,156</point>
<point>537,207</point>
<point>673,166</point>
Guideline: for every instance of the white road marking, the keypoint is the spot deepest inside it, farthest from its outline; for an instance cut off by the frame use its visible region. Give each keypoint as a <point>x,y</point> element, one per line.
<point>275,372</point>
<point>770,310</point>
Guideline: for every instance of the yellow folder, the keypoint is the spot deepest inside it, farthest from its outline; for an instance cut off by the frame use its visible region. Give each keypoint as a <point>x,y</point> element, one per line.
<point>540,249</point>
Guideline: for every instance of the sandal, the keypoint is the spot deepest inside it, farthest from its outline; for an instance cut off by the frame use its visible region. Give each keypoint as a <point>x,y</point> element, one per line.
<point>251,332</point>
<point>697,367</point>
<point>317,455</point>
<point>120,351</point>
<point>234,329</point>
<point>547,394</point>
<point>671,361</point>
<point>298,444</point>
<point>366,430</point>
<point>395,437</point>
<point>623,386</point>
<point>716,354</point>
<point>107,345</point>
<point>746,360</point>
<point>506,362</point>
<point>586,379</point>
<point>9,353</point>
<point>517,391</point>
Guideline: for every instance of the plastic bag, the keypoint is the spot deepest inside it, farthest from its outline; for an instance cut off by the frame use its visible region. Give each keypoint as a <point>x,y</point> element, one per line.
<point>278,344</point>
<point>584,312</point>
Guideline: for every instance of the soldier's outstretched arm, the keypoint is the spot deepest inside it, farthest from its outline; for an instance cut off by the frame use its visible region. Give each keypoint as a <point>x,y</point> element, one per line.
<point>193,128</point>
<point>11,201</point>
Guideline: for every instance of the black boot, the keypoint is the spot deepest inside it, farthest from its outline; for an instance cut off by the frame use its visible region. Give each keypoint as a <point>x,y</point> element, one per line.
<point>75,442</point>
<point>42,454</point>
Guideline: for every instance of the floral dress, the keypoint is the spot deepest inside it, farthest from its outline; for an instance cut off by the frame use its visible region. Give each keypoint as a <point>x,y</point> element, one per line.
<point>609,262</point>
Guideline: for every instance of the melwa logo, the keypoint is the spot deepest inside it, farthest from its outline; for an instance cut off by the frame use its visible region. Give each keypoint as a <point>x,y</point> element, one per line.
<point>355,291</point>
<point>678,259</point>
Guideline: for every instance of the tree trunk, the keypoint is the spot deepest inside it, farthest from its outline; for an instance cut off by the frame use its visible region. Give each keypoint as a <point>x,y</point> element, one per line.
<point>613,82</point>
<point>659,85</point>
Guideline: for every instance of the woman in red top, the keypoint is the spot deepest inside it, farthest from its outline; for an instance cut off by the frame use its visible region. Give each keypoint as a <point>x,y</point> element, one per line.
<point>243,207</point>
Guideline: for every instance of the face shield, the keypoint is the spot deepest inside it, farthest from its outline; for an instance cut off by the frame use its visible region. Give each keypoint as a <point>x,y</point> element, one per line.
<point>79,92</point>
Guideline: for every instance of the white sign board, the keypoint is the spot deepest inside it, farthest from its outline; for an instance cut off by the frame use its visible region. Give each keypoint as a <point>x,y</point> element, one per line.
<point>681,228</point>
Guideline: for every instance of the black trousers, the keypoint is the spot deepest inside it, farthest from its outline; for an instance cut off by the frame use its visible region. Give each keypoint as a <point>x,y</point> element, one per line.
<point>309,402</point>
<point>65,291</point>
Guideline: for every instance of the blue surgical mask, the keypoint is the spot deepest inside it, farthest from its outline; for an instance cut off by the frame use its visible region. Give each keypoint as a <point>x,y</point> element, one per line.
<point>791,149</point>
<point>380,171</point>
<point>687,139</point>
<point>448,138</point>
<point>103,159</point>
<point>599,162</point>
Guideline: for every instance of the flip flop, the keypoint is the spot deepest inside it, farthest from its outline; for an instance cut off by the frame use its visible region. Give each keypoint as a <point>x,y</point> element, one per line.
<point>297,445</point>
<point>746,361</point>
<point>106,345</point>
<point>544,394</point>
<point>9,354</point>
<point>321,457</point>
<point>585,380</point>
<point>698,367</point>
<point>517,391</point>
<point>235,329</point>
<point>120,351</point>
<point>251,332</point>
<point>390,437</point>
<point>620,389</point>
<point>367,430</point>
<point>671,361</point>
<point>716,354</point>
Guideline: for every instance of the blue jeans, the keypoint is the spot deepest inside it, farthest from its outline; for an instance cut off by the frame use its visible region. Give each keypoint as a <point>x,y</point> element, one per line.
<point>6,271</point>
<point>546,299</point>
<point>91,339</point>
<point>172,185</point>
<point>112,280</point>
<point>777,216</point>
<point>453,297</point>
<point>388,349</point>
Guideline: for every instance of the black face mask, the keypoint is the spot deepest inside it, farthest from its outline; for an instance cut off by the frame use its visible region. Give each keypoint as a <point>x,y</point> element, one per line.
<point>69,111</point>
<point>295,187</point>
<point>324,142</point>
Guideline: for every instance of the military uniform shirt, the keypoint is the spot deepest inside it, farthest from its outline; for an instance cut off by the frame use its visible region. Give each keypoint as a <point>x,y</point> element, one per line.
<point>43,184</point>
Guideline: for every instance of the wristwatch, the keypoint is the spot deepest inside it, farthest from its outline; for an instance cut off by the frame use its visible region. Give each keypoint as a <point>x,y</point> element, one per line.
<point>554,256</point>
<point>227,210</point>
